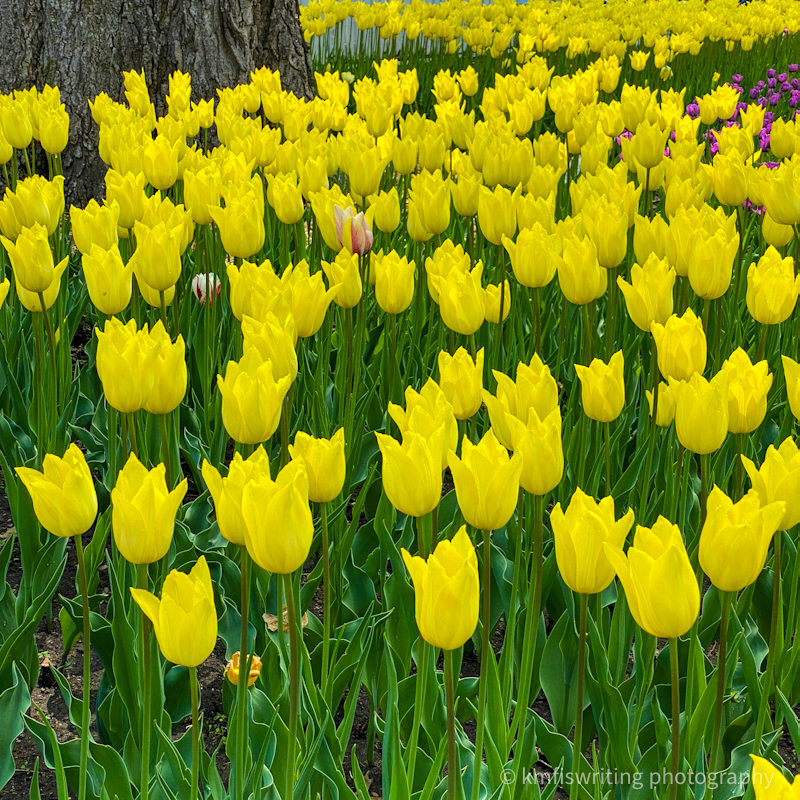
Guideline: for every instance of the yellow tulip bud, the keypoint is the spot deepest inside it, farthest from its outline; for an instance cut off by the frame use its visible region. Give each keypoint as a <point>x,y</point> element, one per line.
<point>202,188</point>
<point>324,463</point>
<point>486,482</point>
<point>531,256</point>
<point>659,582</point>
<point>497,297</point>
<point>63,494</point>
<point>580,275</point>
<point>278,522</point>
<point>539,444</point>
<point>16,123</point>
<point>143,511</point>
<point>649,295</point>
<point>462,299</point>
<point>285,197</point>
<point>791,371</point>
<point>603,388</point>
<point>729,176</point>
<point>446,257</point>
<point>711,264</point>
<point>446,591</point>
<point>736,537</point>
<point>234,665</point>
<point>157,257</point>
<point>310,299</point>
<point>94,224</point>
<point>160,161</point>
<point>274,339</point>
<point>127,191</point>
<point>252,398</point>
<point>607,226</point>
<point>747,391</point>
<point>241,223</point>
<point>579,536</point>
<point>772,288</point>
<point>649,143</point>
<point>364,167</point>
<point>32,260</point>
<point>774,233</point>
<point>108,280</point>
<point>387,210</point>
<point>313,175</point>
<point>169,372</point>
<point>394,282</point>
<point>343,273</point>
<point>666,403</point>
<point>430,194</point>
<point>37,200</point>
<point>681,346</point>
<point>778,479</point>
<point>461,381</point>
<point>465,193</point>
<point>185,619</point>
<point>701,412</point>
<point>497,213</point>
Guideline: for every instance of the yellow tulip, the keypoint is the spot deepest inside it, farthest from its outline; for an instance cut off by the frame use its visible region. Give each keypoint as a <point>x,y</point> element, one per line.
<point>227,492</point>
<point>461,381</point>
<point>387,210</point>
<point>202,188</point>
<point>486,482</point>
<point>659,582</point>
<point>445,258</point>
<point>729,176</point>
<point>278,522</point>
<point>170,374</point>
<point>538,441</point>
<point>603,388</point>
<point>274,339</point>
<point>185,618</point>
<point>580,276</point>
<point>747,391</point>
<point>394,282</point>
<point>285,197</point>
<point>253,290</point>
<point>310,299</point>
<point>462,299</point>
<point>127,191</point>
<point>430,194</point>
<point>143,511</point>
<point>649,143</point>
<point>157,257</point>
<point>769,783</point>
<point>778,479</point>
<point>5,286</point>
<point>530,256</point>
<point>38,200</point>
<point>667,397</point>
<point>791,371</point>
<point>736,537</point>
<point>160,161</point>
<point>465,193</point>
<point>446,591</point>
<point>233,666</point>
<point>63,494</point>
<point>701,412</point>
<point>681,346</point>
<point>649,295</point>
<point>343,272</point>
<point>241,224</point>
<point>497,297</point>
<point>497,213</point>
<point>711,264</point>
<point>772,288</point>
<point>607,226</point>
<point>32,260</point>
<point>579,536</point>
<point>324,463</point>
<point>108,280</point>
<point>252,398</point>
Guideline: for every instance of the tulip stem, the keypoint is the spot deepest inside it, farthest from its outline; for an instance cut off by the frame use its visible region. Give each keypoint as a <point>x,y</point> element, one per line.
<point>326,589</point>
<point>537,320</point>
<point>651,444</point>
<point>612,307</point>
<point>578,735</point>
<point>678,476</point>
<point>587,335</point>
<point>452,752</point>
<point>244,672</point>
<point>294,684</point>
<point>164,311</point>
<point>676,718</point>
<point>419,702</point>
<point>132,433</point>
<point>485,645</point>
<point>392,355</point>
<point>762,341</point>
<point>165,448</point>
<point>144,789</point>
<point>721,657</point>
<point>607,436</point>
<point>533,613</point>
<point>51,342</point>
<point>738,488</point>
<point>195,731</point>
<point>562,333</point>
<point>41,439</point>
<point>769,675</point>
<point>87,669</point>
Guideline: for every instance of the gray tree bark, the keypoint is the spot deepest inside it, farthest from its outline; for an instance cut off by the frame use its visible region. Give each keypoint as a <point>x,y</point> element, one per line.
<point>83,47</point>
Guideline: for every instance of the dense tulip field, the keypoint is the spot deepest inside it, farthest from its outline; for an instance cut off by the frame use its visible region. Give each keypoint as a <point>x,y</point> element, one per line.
<point>456,407</point>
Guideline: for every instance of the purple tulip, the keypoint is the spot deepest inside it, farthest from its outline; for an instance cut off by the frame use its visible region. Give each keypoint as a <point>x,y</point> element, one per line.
<point>782,76</point>
<point>793,67</point>
<point>771,73</point>
<point>737,78</point>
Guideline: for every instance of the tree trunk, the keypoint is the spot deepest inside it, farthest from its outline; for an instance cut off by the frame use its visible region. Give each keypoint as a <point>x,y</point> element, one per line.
<point>83,47</point>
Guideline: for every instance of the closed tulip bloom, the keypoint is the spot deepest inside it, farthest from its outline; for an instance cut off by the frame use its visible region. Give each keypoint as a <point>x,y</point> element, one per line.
<point>539,443</point>
<point>701,412</point>
<point>531,258</point>
<point>343,272</point>
<point>681,346</point>
<point>445,258</point>
<point>278,522</point>
<point>127,191</point>
<point>253,287</point>
<point>579,536</point>
<point>580,276</point>
<point>227,492</point>
<point>169,372</point>
<point>108,280</point>
<point>63,494</point>
<point>772,288</point>
<point>53,129</point>
<point>659,582</point>
<point>748,385</point>
<point>446,591</point>
<point>649,143</point>
<point>603,388</point>
<point>412,471</point>
<point>649,295</point>
<point>16,123</point>
<point>310,298</point>
<point>30,300</point>
<point>285,197</point>
<point>425,412</point>
<point>241,225</point>
<point>667,397</point>
<point>202,188</point>
<point>769,783</point>
<point>497,212</point>
<point>274,339</point>
<point>394,282</point>
<point>486,482</point>
<point>37,200</point>
<point>185,618</point>
<point>778,479</point>
<point>461,381</point>
<point>607,227</point>
<point>736,537</point>
<point>160,162</point>
<point>774,233</point>
<point>711,264</point>
<point>465,193</point>
<point>387,210</point>
<point>535,388</point>
<point>94,224</point>
<point>354,231</point>
<point>252,398</point>
<point>431,195</point>
<point>143,511</point>
<point>5,286</point>
<point>462,299</point>
<point>495,295</point>
<point>364,168</point>
<point>233,666</point>
<point>791,371</point>
<point>729,176</point>
<point>158,255</point>
<point>32,259</point>
<point>324,463</point>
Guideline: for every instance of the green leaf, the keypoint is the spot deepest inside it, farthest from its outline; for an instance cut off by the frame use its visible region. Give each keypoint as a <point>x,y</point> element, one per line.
<point>14,702</point>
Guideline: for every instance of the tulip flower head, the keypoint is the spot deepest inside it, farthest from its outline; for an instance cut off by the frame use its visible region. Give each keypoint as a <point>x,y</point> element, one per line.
<point>206,288</point>
<point>354,232</point>
<point>701,412</point>
<point>603,388</point>
<point>461,381</point>
<point>680,345</point>
<point>748,385</point>
<point>234,665</point>
<point>324,462</point>
<point>778,479</point>
<point>769,783</point>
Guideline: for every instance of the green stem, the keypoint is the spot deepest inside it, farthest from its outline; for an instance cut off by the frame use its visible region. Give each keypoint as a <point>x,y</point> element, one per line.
<point>164,311</point>
<point>612,307</point>
<point>578,735</point>
<point>393,356</point>
<point>87,670</point>
<point>326,589</point>
<point>195,731</point>
<point>537,322</point>
<point>485,646</point>
<point>721,656</point>
<point>144,583</point>
<point>562,334</point>
<point>41,438</point>
<point>607,435</point>
<point>165,449</point>
<point>244,673</point>
<point>452,752</point>
<point>132,433</point>
<point>51,341</point>
<point>651,444</point>
<point>676,718</point>
<point>587,335</point>
<point>294,685</point>
<point>678,476</point>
